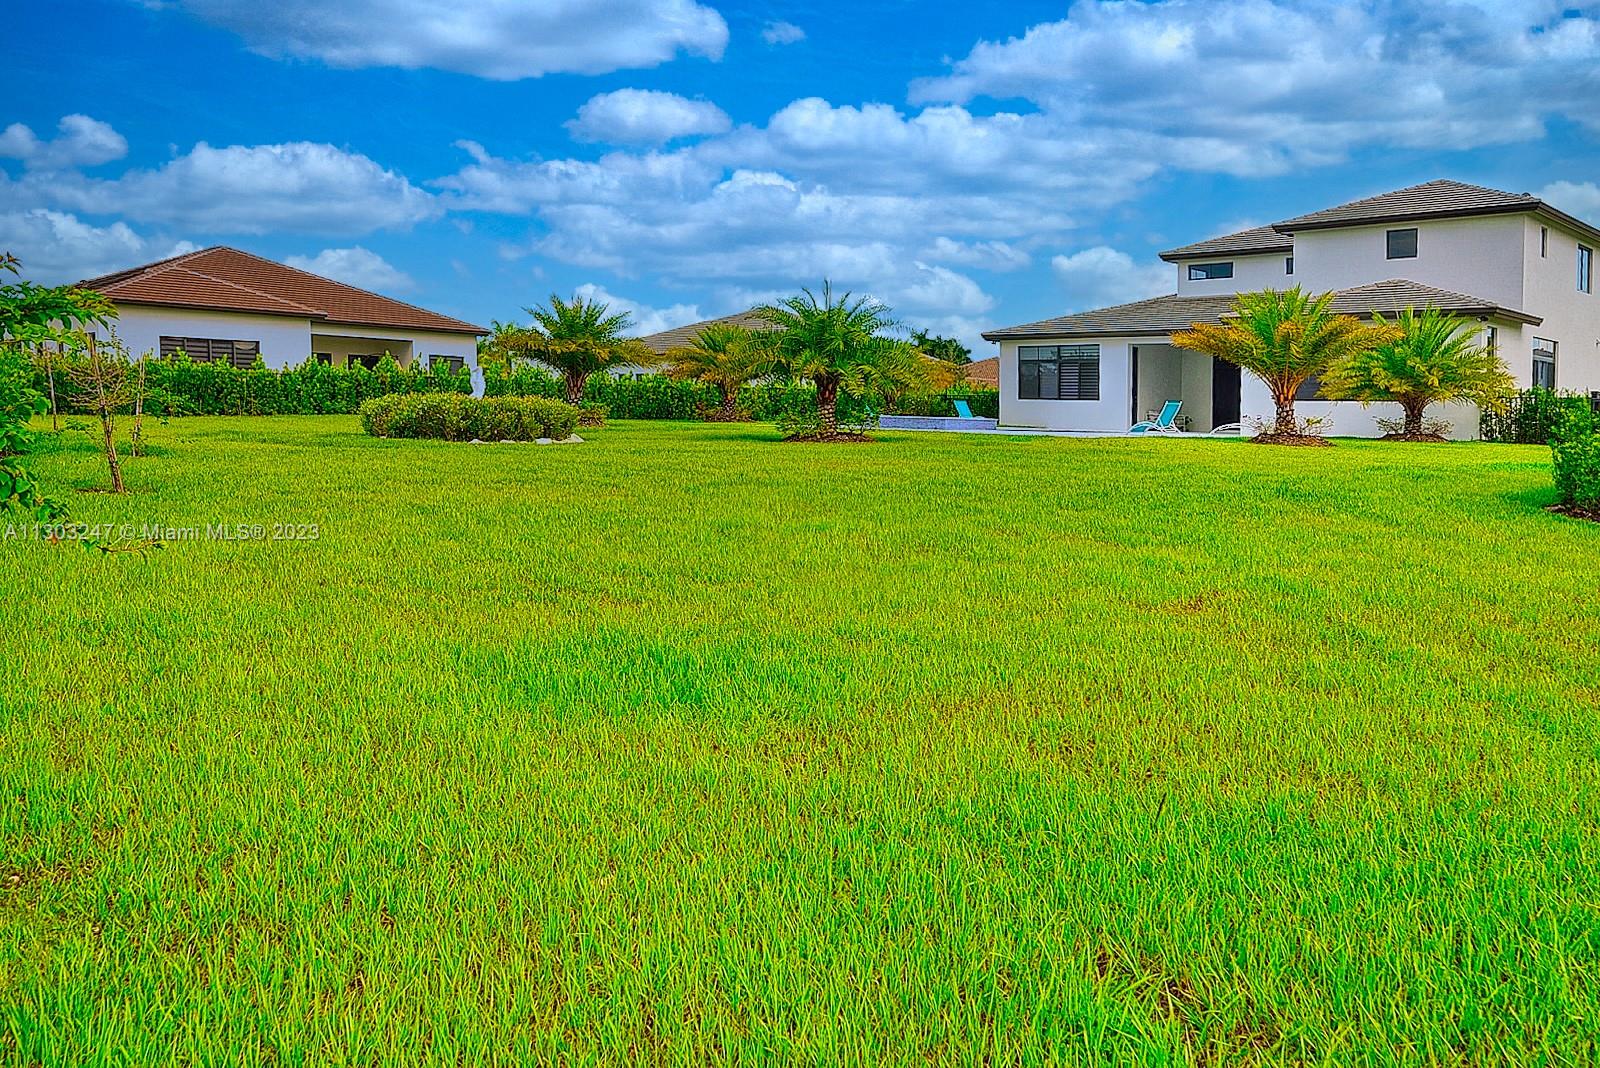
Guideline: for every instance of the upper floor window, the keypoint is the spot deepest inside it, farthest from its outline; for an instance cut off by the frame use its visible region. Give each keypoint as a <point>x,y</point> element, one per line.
<point>1544,241</point>
<point>1402,244</point>
<point>212,350</point>
<point>1201,271</point>
<point>1288,265</point>
<point>1058,372</point>
<point>1544,363</point>
<point>1585,269</point>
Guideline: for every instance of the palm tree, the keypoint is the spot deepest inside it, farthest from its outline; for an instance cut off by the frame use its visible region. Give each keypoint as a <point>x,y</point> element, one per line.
<point>1433,357</point>
<point>726,356</point>
<point>575,338</point>
<point>1283,337</point>
<point>839,343</point>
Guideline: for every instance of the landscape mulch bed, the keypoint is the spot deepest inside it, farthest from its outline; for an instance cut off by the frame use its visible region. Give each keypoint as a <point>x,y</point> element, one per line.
<point>1291,439</point>
<point>1430,438</point>
<point>846,439</point>
<point>1573,511</point>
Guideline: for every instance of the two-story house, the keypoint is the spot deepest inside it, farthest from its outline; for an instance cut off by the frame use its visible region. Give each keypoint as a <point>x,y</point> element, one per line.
<point>1517,265</point>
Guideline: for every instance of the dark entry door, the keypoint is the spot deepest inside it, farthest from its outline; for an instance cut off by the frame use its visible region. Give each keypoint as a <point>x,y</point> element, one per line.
<point>1224,392</point>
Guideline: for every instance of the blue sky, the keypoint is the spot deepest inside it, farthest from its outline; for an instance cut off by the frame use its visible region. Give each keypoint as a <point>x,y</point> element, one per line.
<point>972,165</point>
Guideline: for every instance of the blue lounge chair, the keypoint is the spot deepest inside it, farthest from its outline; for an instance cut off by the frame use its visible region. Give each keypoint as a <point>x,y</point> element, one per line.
<point>1161,424</point>
<point>964,410</point>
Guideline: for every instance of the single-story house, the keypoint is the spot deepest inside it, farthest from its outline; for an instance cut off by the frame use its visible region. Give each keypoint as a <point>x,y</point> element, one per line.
<point>221,304</point>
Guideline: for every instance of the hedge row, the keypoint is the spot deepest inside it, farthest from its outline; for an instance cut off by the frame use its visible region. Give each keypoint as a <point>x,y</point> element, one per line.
<point>656,396</point>
<point>454,417</point>
<point>1575,452</point>
<point>179,386</point>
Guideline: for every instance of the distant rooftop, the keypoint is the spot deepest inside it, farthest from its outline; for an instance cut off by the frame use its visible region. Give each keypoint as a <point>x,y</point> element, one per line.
<point>666,340</point>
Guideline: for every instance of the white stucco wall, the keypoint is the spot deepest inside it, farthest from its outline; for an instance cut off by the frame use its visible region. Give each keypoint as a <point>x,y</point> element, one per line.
<point>1571,317</point>
<point>1108,414</point>
<point>1481,257</point>
<point>1265,271</point>
<point>284,341</point>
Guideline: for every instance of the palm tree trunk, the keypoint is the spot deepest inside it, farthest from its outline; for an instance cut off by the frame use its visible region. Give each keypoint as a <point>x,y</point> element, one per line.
<point>1285,423</point>
<point>828,405</point>
<point>575,383</point>
<point>1413,407</point>
<point>730,400</point>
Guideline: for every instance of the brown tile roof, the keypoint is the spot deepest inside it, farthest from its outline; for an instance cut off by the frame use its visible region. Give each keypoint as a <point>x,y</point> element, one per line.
<point>1160,316</point>
<point>679,336</point>
<point>1244,243</point>
<point>984,372</point>
<point>226,279</point>
<point>1439,199</point>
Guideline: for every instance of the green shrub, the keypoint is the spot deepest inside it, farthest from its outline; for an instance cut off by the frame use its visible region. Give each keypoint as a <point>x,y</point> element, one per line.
<point>985,403</point>
<point>1575,454</point>
<point>179,386</point>
<point>457,417</point>
<point>1530,417</point>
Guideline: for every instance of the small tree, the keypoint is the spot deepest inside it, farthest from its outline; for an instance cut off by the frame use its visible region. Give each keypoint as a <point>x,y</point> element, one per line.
<point>1432,358</point>
<point>1283,337</point>
<point>104,382</point>
<point>944,349</point>
<point>575,338</point>
<point>33,317</point>
<point>840,343</point>
<point>725,356</point>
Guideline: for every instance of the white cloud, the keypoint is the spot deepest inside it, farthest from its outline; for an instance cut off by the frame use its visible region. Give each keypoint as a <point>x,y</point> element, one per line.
<point>56,247</point>
<point>1575,198</point>
<point>499,39</point>
<point>1095,277</point>
<point>355,266</point>
<point>778,32</point>
<point>645,319</point>
<point>81,142</point>
<point>1262,86</point>
<point>988,255</point>
<point>300,187</point>
<point>645,117</point>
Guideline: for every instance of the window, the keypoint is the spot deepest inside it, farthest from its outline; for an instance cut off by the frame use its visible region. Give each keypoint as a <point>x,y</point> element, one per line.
<point>1310,389</point>
<point>212,350</point>
<point>322,357</point>
<point>1402,244</point>
<point>1058,372</point>
<point>1585,269</point>
<point>1544,241</point>
<point>360,359</point>
<point>1491,340</point>
<point>1544,363</point>
<point>1201,271</point>
<point>1288,265</point>
<point>453,364</point>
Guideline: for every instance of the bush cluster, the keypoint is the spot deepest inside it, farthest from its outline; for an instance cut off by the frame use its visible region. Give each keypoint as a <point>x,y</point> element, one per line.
<point>1530,417</point>
<point>1575,452</point>
<point>656,396</point>
<point>180,386</point>
<point>457,417</point>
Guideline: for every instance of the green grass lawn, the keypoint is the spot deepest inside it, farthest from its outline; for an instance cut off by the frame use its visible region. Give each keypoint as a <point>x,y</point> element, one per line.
<point>685,745</point>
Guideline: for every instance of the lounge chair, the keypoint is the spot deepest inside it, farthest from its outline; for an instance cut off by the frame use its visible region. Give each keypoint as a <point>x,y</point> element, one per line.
<point>1161,424</point>
<point>964,410</point>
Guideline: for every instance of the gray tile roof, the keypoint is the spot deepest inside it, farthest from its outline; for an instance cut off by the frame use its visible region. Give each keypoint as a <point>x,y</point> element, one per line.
<point>1244,243</point>
<point>1438,199</point>
<point>679,336</point>
<point>1160,316</point>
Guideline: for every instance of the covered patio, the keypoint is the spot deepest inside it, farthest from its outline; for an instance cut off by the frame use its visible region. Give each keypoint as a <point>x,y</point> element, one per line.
<point>1207,388</point>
